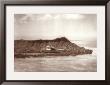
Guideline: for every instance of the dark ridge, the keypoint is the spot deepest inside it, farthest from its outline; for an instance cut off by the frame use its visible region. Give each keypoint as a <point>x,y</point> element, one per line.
<point>61,39</point>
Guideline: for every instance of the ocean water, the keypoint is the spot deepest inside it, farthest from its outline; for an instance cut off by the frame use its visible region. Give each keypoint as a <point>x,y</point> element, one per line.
<point>80,63</point>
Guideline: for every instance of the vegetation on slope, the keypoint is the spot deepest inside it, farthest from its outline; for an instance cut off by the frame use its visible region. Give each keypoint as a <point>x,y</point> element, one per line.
<point>22,47</point>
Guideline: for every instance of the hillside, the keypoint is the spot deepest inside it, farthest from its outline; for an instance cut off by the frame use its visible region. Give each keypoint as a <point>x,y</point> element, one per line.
<point>60,46</point>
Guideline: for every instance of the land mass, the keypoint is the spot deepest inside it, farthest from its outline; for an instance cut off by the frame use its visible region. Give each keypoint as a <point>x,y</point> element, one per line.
<point>39,48</point>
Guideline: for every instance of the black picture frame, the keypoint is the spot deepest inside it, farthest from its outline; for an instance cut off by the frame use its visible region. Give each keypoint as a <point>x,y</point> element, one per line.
<point>5,3</point>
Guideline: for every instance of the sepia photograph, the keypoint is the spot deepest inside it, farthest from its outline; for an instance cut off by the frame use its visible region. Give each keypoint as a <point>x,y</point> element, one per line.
<point>55,42</point>
<point>50,42</point>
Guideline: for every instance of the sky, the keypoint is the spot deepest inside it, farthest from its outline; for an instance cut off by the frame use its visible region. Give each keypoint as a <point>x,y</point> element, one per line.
<point>51,26</point>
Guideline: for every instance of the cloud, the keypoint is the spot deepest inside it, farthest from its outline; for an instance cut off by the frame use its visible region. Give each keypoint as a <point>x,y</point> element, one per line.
<point>73,16</point>
<point>27,18</point>
<point>33,17</point>
<point>61,16</point>
<point>44,17</point>
<point>76,26</point>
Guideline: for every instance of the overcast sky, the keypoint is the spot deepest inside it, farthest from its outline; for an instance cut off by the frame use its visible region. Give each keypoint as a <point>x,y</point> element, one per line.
<point>50,26</point>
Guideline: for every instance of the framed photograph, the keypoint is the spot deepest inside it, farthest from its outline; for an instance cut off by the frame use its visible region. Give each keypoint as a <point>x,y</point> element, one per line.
<point>55,41</point>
